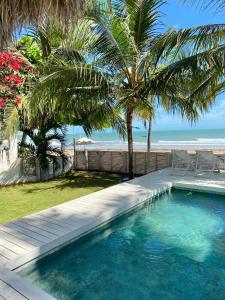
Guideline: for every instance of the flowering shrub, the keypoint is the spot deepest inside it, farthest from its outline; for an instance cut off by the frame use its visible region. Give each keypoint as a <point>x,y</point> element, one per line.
<point>14,72</point>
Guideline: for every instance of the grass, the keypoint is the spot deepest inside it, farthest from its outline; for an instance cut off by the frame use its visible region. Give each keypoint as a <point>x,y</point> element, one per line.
<point>20,200</point>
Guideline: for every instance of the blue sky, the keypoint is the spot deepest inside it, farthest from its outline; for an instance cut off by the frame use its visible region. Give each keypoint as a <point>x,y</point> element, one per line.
<point>179,15</point>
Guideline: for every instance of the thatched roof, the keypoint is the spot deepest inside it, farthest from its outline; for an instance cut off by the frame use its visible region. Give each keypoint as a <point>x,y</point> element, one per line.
<point>15,14</point>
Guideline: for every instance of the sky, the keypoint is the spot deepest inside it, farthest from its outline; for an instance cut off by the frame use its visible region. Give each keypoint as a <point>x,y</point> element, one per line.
<point>179,15</point>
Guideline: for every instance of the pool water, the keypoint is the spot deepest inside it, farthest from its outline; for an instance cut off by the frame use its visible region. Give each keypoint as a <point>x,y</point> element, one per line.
<point>173,248</point>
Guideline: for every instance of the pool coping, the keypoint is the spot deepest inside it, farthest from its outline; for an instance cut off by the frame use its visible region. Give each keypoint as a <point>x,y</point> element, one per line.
<point>107,205</point>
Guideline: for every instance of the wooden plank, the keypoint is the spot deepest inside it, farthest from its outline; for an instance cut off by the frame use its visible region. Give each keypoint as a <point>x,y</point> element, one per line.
<point>22,287</point>
<point>28,232</point>
<point>11,235</point>
<point>15,240</point>
<point>9,293</point>
<point>7,253</point>
<point>3,260</point>
<point>32,227</point>
<point>69,216</point>
<point>24,237</point>
<point>44,224</point>
<point>57,220</point>
<point>38,223</point>
<point>12,247</point>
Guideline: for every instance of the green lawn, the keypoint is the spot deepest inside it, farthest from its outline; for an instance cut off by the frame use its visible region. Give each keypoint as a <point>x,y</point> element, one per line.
<point>20,200</point>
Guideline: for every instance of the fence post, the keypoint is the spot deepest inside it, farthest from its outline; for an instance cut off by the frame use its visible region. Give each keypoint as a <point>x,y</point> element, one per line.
<point>134,162</point>
<point>21,166</point>
<point>86,158</point>
<point>111,161</point>
<point>125,162</point>
<point>53,168</point>
<point>74,154</point>
<point>146,162</point>
<point>99,160</point>
<point>38,170</point>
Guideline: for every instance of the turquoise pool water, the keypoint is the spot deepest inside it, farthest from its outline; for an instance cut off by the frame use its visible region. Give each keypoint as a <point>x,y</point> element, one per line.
<point>172,249</point>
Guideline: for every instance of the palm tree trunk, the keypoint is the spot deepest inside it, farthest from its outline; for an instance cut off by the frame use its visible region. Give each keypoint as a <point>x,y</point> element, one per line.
<point>149,134</point>
<point>129,119</point>
<point>110,5</point>
<point>24,138</point>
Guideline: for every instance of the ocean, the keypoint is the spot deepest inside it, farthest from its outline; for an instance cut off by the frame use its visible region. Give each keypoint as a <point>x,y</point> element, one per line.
<point>182,139</point>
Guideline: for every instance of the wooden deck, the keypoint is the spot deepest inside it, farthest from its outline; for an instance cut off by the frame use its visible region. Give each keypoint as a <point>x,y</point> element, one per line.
<point>28,238</point>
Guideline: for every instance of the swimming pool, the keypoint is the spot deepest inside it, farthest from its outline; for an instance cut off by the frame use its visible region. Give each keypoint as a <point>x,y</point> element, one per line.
<point>173,248</point>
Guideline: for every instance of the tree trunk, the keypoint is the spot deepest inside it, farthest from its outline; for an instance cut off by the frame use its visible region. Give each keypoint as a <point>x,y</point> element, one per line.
<point>129,119</point>
<point>149,134</point>
<point>110,5</point>
<point>24,138</point>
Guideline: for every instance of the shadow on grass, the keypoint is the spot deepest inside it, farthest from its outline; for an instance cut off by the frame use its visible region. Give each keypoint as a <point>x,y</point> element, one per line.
<point>75,180</point>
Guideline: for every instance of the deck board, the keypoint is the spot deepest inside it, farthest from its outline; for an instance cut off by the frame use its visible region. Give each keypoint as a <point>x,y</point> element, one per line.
<point>42,225</point>
<point>50,222</point>
<point>15,240</point>
<point>7,292</point>
<point>28,232</point>
<point>17,234</point>
<point>35,229</point>
<point>3,260</point>
<point>12,247</point>
<point>7,253</point>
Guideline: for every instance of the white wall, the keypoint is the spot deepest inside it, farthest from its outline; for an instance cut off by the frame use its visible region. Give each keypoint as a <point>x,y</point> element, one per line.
<point>6,162</point>
<point>10,165</point>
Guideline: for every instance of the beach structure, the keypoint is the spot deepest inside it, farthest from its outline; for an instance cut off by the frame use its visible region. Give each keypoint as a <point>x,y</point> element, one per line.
<point>85,141</point>
<point>16,14</point>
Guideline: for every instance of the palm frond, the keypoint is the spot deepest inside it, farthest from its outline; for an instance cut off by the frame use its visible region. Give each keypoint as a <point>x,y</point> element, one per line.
<point>209,4</point>
<point>14,15</point>
<point>115,46</point>
<point>79,83</point>
<point>143,18</point>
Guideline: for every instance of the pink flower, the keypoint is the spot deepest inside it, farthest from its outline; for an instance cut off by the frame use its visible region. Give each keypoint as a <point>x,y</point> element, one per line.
<point>18,101</point>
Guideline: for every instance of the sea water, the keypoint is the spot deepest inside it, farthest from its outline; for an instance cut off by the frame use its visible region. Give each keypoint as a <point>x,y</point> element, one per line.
<point>109,139</point>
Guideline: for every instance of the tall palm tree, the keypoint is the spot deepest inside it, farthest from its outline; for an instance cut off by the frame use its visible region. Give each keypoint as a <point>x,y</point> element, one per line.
<point>130,47</point>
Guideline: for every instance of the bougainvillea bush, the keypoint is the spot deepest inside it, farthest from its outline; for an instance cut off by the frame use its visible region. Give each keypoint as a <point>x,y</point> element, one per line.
<point>15,72</point>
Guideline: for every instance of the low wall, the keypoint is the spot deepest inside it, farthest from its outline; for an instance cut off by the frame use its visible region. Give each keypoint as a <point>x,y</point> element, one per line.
<point>28,170</point>
<point>117,161</point>
<point>112,161</point>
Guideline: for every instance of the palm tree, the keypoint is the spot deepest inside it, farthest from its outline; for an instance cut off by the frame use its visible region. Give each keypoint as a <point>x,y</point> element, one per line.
<point>71,84</point>
<point>144,63</point>
<point>60,54</point>
<point>40,143</point>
